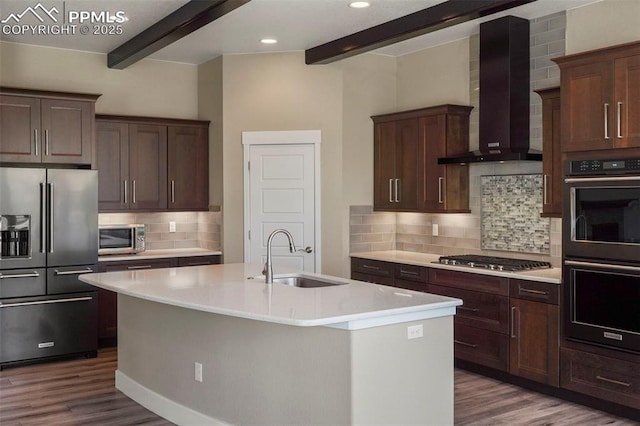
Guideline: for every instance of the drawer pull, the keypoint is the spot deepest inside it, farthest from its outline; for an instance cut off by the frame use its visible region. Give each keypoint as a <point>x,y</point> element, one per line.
<point>44,302</point>
<point>415,274</point>
<point>463,308</point>
<point>374,268</point>
<point>74,272</point>
<point>536,292</point>
<point>34,274</point>
<point>139,267</point>
<point>197,263</point>
<point>459,342</point>
<point>615,382</point>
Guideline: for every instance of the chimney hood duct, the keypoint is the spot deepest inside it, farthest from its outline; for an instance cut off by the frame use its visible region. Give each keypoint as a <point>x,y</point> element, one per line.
<point>504,94</point>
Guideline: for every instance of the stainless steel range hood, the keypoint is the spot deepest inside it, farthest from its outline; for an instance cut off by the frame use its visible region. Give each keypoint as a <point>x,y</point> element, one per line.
<point>504,94</point>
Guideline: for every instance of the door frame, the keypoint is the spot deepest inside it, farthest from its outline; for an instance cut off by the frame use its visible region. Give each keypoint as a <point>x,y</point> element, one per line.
<point>284,137</point>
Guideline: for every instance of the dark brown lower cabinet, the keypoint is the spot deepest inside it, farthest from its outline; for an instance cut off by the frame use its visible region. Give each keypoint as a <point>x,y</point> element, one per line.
<point>600,376</point>
<point>108,300</point>
<point>481,346</point>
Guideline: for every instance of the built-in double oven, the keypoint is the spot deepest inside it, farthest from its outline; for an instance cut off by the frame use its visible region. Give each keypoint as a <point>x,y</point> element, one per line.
<point>601,250</point>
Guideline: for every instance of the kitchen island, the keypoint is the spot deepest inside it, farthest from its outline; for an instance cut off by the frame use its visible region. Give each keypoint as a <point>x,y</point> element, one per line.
<point>216,345</point>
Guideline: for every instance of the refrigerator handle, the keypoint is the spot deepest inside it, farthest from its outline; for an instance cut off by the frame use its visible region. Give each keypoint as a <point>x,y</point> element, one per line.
<point>43,217</point>
<point>50,215</point>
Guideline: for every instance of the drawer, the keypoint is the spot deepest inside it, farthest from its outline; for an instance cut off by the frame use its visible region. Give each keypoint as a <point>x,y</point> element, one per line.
<point>372,267</point>
<point>132,265</point>
<point>535,291</point>
<point>600,376</point>
<point>368,278</point>
<point>199,260</point>
<point>411,273</point>
<point>481,310</point>
<point>469,281</point>
<point>481,347</point>
<point>65,279</point>
<point>39,327</point>
<point>23,283</point>
<point>410,285</point>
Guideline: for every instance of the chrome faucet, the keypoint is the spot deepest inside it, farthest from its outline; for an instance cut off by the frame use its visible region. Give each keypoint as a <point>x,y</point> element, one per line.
<point>268,267</point>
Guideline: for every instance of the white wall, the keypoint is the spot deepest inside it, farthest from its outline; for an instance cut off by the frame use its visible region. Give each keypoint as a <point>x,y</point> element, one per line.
<point>148,88</point>
<point>602,24</point>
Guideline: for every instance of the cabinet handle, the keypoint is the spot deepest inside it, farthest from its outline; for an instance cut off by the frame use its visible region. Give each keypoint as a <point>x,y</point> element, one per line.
<point>460,342</point>
<point>198,263</point>
<point>616,382</point>
<point>537,292</point>
<point>35,140</point>
<point>464,308</point>
<point>397,184</point>
<point>126,195</point>
<point>606,121</point>
<point>173,191</point>
<point>545,188</point>
<point>440,184</point>
<point>412,273</point>
<point>133,190</point>
<point>46,142</point>
<point>513,322</point>
<point>139,267</point>
<point>619,114</point>
<point>45,302</point>
<point>375,268</point>
<point>391,190</point>
<point>74,272</point>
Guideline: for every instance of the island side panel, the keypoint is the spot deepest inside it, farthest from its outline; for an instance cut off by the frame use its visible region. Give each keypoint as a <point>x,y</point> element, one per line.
<point>396,380</point>
<point>253,372</point>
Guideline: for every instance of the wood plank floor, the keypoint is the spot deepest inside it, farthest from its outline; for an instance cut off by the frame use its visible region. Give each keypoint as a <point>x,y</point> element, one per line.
<point>82,392</point>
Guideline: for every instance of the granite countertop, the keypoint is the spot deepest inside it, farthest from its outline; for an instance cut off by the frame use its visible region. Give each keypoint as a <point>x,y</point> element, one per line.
<point>159,254</point>
<point>550,275</point>
<point>239,290</point>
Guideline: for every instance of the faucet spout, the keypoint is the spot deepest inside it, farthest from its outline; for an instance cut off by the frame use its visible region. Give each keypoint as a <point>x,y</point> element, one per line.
<point>268,267</point>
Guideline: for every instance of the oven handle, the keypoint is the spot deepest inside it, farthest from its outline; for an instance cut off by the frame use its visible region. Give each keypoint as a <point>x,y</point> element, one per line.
<point>602,265</point>
<point>602,179</point>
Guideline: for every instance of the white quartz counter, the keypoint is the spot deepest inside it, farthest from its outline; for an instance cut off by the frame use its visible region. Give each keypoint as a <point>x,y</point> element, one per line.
<point>550,275</point>
<point>231,289</point>
<point>159,254</point>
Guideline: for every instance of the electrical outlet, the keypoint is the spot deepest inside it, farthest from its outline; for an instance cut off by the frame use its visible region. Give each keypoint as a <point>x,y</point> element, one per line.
<point>414,331</point>
<point>198,372</point>
<point>434,229</point>
<point>172,226</point>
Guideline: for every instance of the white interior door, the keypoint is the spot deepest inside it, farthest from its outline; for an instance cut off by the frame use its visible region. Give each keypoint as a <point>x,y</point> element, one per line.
<point>282,187</point>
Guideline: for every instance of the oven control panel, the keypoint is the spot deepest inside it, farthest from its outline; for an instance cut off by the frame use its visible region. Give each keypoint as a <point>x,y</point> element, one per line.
<point>597,167</point>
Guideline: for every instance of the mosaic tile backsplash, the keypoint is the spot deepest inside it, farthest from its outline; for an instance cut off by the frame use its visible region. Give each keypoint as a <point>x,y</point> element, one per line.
<point>510,216</point>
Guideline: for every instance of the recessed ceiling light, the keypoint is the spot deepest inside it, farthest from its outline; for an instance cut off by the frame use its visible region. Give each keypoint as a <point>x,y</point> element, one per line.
<point>359,4</point>
<point>268,41</point>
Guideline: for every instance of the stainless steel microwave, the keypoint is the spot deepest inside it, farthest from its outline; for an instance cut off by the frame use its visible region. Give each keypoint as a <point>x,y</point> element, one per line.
<point>121,239</point>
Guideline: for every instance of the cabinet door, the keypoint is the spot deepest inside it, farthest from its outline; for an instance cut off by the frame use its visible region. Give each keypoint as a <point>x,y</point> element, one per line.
<point>587,107</point>
<point>112,146</point>
<point>148,166</point>
<point>533,349</point>
<point>188,168</point>
<point>67,128</point>
<point>19,129</point>
<point>384,165</point>
<point>409,164</point>
<point>627,96</point>
<point>433,137</point>
<point>551,155</point>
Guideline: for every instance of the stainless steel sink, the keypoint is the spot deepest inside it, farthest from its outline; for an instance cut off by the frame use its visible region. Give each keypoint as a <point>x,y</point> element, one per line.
<point>303,281</point>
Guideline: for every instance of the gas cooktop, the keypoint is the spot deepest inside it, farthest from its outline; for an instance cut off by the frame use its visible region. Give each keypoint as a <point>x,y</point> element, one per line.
<point>494,263</point>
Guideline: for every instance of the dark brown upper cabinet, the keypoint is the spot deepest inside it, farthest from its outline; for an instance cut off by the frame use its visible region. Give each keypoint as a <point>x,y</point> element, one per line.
<point>147,164</point>
<point>601,99</point>
<point>46,127</point>
<point>551,153</point>
<point>407,145</point>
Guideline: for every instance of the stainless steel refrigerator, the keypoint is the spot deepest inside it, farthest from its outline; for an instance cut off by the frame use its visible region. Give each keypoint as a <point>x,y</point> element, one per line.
<point>48,236</point>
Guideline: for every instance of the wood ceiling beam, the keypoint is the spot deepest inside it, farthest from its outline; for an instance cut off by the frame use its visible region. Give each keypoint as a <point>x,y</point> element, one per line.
<point>443,15</point>
<point>183,21</point>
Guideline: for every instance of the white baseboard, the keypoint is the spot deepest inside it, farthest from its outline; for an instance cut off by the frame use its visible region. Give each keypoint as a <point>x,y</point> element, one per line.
<point>162,406</point>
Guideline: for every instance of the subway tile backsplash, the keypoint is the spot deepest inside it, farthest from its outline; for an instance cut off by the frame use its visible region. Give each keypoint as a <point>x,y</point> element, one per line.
<point>193,229</point>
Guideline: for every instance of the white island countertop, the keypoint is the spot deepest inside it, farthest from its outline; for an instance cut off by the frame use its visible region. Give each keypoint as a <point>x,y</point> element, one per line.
<point>231,289</point>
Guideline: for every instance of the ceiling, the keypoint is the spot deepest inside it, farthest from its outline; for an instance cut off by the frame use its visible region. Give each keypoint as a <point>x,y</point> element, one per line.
<point>296,24</point>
